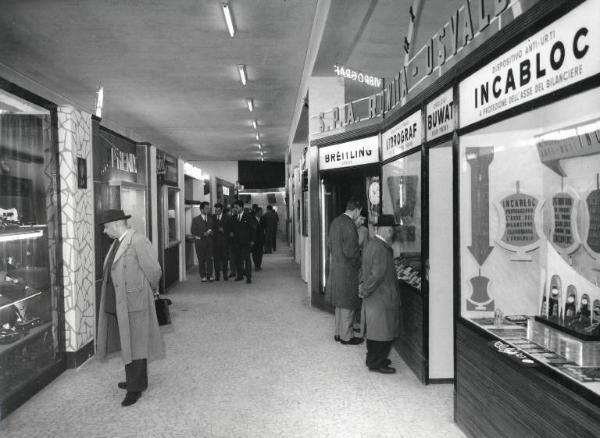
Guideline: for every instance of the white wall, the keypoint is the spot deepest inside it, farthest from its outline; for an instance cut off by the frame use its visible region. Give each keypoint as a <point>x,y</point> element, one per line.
<point>441,313</point>
<point>227,170</point>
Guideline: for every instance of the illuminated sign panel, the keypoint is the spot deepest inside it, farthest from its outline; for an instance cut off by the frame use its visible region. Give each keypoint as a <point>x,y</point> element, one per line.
<point>352,153</point>
<point>440,115</point>
<point>402,137</point>
<point>358,76</point>
<point>559,55</point>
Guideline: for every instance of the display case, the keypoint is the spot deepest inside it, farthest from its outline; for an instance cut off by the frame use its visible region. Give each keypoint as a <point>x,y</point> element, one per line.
<point>30,310</point>
<point>401,187</point>
<point>529,235</point>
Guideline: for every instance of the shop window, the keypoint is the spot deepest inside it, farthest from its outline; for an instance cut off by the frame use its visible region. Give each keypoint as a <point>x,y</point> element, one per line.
<point>401,195</point>
<point>530,233</point>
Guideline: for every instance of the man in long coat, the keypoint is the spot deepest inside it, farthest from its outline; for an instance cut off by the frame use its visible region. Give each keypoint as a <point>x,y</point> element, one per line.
<point>342,282</point>
<point>381,299</point>
<point>127,317</point>
<point>271,221</point>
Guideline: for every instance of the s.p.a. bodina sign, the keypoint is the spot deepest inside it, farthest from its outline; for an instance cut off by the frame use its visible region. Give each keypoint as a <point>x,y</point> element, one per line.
<point>561,54</point>
<point>352,153</point>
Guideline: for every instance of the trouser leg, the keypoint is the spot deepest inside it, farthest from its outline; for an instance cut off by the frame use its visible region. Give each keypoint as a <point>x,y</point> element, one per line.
<point>136,375</point>
<point>344,323</point>
<point>377,353</point>
<point>247,261</point>
<point>202,257</point>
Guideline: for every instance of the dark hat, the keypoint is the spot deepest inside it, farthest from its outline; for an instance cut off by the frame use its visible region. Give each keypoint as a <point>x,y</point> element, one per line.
<point>386,220</point>
<point>112,215</point>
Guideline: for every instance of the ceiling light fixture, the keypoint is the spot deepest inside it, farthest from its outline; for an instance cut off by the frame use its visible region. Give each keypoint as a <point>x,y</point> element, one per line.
<point>260,146</point>
<point>254,124</point>
<point>250,103</point>
<point>257,136</point>
<point>228,18</point>
<point>242,71</point>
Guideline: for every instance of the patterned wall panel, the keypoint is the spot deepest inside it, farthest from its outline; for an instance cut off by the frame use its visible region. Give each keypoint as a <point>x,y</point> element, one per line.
<point>77,222</point>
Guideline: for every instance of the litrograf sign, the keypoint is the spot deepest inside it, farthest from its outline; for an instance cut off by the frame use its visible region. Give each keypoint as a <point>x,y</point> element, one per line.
<point>440,115</point>
<point>405,135</point>
<point>352,153</point>
<point>559,55</point>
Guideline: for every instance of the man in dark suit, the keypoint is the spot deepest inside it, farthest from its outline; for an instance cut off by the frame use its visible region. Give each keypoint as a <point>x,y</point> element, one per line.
<point>271,220</point>
<point>220,250</point>
<point>257,248</point>
<point>243,233</point>
<point>203,229</point>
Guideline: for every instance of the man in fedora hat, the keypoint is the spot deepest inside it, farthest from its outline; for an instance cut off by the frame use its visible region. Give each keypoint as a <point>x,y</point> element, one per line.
<point>381,299</point>
<point>127,317</point>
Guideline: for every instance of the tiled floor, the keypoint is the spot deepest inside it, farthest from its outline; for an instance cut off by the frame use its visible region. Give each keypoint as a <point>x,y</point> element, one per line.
<point>243,361</point>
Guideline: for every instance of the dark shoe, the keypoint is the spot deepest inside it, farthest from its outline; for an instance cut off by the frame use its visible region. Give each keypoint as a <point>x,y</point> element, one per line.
<point>131,398</point>
<point>353,341</point>
<point>217,278</point>
<point>225,278</point>
<point>122,385</point>
<point>239,278</point>
<point>231,275</point>
<point>258,268</point>
<point>384,370</point>
<point>248,280</point>
<point>336,338</point>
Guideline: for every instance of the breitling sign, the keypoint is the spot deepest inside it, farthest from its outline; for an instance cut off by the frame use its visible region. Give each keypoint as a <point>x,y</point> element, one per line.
<point>352,153</point>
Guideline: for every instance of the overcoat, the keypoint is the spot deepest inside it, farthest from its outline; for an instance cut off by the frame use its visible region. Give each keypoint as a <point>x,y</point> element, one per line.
<point>342,282</point>
<point>135,274</point>
<point>379,288</point>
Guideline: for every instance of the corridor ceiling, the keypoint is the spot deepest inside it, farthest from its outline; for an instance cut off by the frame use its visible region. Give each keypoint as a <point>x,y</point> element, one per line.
<point>168,68</point>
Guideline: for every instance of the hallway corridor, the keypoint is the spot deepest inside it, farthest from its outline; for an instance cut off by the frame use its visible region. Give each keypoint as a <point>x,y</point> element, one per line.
<point>243,361</point>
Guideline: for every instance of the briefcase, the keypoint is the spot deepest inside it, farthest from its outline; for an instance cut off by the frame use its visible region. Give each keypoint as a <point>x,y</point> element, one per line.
<point>162,311</point>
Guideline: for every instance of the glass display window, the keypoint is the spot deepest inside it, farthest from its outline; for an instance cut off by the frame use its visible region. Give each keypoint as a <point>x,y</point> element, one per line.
<point>401,196</point>
<point>530,234</point>
<point>29,302</point>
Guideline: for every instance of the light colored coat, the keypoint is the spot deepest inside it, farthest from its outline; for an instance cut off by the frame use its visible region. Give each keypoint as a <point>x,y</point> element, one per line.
<point>379,288</point>
<point>342,282</point>
<point>135,274</point>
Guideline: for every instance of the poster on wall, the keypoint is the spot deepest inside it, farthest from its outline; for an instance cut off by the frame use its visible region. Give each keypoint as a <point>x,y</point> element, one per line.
<point>440,115</point>
<point>561,54</point>
<point>402,137</point>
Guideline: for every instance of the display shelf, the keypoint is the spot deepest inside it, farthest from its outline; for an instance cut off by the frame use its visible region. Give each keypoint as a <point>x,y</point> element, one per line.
<point>567,330</point>
<point>21,300</point>
<point>21,232</point>
<point>34,332</point>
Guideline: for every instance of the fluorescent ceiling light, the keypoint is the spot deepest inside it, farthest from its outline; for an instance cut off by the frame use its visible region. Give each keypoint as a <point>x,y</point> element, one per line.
<point>254,124</point>
<point>21,235</point>
<point>250,103</point>
<point>260,146</point>
<point>257,136</point>
<point>228,18</point>
<point>242,71</point>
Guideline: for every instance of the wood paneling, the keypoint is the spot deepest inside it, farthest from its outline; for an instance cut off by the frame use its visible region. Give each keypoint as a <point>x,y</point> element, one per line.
<point>496,397</point>
<point>410,343</point>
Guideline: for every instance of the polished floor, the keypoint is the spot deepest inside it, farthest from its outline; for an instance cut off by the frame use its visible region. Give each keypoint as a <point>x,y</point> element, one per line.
<point>243,361</point>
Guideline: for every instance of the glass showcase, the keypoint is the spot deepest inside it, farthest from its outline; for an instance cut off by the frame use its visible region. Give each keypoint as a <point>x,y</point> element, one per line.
<point>401,196</point>
<point>530,234</point>
<point>29,335</point>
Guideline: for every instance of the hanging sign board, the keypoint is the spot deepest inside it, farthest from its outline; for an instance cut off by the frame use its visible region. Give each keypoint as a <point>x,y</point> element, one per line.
<point>352,153</point>
<point>440,115</point>
<point>402,137</point>
<point>559,55</point>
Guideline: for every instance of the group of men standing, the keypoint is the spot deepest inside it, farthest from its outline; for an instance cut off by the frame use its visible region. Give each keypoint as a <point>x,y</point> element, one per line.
<point>228,241</point>
<point>376,285</point>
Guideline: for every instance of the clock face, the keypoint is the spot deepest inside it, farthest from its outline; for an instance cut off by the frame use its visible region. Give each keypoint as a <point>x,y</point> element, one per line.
<point>374,193</point>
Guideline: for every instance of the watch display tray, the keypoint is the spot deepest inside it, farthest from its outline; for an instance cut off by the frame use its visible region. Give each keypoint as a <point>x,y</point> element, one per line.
<point>582,352</point>
<point>567,330</point>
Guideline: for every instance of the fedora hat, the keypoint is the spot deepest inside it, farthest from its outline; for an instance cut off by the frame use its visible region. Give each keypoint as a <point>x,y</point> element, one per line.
<point>112,215</point>
<point>386,220</point>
